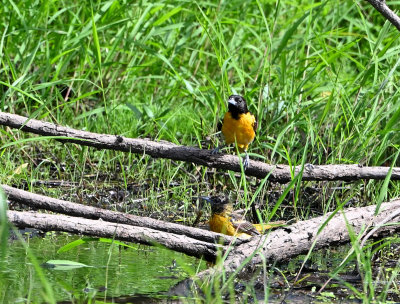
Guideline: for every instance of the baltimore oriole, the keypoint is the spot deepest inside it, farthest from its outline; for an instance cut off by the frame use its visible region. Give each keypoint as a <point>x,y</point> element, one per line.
<point>238,126</point>
<point>224,220</point>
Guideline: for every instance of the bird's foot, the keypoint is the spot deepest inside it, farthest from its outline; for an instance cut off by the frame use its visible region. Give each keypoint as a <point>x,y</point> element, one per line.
<point>215,151</point>
<point>246,162</point>
<point>309,167</point>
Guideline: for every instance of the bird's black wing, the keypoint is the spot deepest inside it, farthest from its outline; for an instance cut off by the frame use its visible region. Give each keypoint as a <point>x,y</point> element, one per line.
<point>244,226</point>
<point>219,125</point>
<point>255,125</point>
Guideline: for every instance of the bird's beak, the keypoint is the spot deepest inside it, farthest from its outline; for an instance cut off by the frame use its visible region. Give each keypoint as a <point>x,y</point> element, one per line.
<point>232,101</point>
<point>204,198</point>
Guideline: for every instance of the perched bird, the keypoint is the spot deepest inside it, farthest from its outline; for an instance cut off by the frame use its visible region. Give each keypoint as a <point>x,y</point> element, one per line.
<point>238,126</point>
<point>224,220</point>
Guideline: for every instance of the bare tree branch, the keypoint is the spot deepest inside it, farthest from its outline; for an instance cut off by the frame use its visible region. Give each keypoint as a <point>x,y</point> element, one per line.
<point>163,149</point>
<point>69,208</point>
<point>128,233</point>
<point>380,6</point>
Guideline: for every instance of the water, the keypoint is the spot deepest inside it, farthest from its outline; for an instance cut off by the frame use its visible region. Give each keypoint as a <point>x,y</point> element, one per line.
<point>144,274</point>
<point>115,271</point>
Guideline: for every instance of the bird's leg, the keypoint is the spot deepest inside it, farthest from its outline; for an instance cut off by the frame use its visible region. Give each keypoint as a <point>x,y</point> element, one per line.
<point>246,161</point>
<point>217,149</point>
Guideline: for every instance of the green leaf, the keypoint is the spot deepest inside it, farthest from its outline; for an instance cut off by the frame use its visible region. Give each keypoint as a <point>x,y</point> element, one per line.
<point>148,111</point>
<point>74,244</point>
<point>90,113</point>
<point>22,92</point>
<point>4,228</point>
<point>86,240</point>
<point>167,16</point>
<point>384,188</point>
<point>96,42</point>
<point>55,59</point>
<point>63,264</point>
<point>134,110</point>
<point>394,119</point>
<point>189,87</point>
<point>327,107</point>
<point>38,139</point>
<point>285,192</point>
<point>288,34</point>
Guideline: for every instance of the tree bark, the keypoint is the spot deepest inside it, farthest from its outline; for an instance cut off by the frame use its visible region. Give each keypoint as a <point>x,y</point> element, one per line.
<point>279,245</point>
<point>122,232</point>
<point>163,149</point>
<point>69,208</point>
<point>380,6</point>
<point>282,244</point>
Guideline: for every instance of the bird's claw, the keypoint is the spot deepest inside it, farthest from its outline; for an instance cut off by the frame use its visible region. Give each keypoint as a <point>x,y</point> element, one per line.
<point>309,167</point>
<point>215,151</point>
<point>246,162</point>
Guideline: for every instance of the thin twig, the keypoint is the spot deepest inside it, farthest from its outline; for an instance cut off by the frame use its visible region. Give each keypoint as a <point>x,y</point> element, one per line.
<point>380,6</point>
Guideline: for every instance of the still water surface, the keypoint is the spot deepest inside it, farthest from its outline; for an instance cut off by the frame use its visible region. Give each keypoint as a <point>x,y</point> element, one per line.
<point>116,271</point>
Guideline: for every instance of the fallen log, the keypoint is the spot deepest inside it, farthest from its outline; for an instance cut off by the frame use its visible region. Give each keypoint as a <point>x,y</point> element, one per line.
<point>279,245</point>
<point>285,243</point>
<point>128,233</point>
<point>163,149</point>
<point>69,208</point>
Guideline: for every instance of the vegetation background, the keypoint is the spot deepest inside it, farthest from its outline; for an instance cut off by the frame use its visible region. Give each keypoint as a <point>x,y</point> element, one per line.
<point>320,76</point>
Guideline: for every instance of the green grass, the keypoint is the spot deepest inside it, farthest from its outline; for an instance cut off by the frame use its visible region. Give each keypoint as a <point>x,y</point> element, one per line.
<point>321,78</point>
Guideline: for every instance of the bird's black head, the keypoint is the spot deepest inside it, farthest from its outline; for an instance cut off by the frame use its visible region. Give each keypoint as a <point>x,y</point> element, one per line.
<point>219,204</point>
<point>237,105</point>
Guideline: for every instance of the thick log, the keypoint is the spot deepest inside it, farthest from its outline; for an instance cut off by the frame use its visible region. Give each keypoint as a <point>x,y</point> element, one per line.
<point>163,149</point>
<point>128,233</point>
<point>283,244</point>
<point>277,246</point>
<point>69,208</point>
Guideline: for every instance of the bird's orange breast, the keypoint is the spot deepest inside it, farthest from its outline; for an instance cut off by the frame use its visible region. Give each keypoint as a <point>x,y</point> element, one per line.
<point>239,130</point>
<point>221,224</point>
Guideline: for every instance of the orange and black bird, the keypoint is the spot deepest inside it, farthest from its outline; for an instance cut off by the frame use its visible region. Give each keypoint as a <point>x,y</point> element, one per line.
<point>224,220</point>
<point>238,126</point>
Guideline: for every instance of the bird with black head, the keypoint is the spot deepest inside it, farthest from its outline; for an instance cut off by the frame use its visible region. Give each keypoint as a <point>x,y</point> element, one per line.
<point>238,126</point>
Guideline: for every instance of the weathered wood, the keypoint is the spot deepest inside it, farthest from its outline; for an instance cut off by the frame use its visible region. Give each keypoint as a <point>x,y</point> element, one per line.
<point>163,149</point>
<point>381,6</point>
<point>283,244</point>
<point>69,208</point>
<point>128,233</point>
<point>279,245</point>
